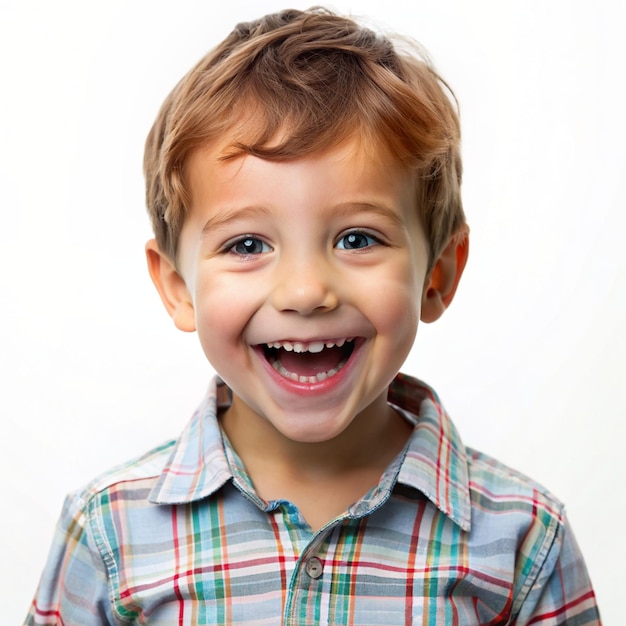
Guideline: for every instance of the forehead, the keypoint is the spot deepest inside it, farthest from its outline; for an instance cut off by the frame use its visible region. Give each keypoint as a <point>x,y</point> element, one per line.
<point>354,164</point>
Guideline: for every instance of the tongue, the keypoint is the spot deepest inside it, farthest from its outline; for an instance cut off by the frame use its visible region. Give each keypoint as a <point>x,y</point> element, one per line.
<point>309,364</point>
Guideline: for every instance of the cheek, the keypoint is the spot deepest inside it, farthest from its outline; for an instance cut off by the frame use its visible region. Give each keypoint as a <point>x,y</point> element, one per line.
<point>401,317</point>
<point>395,315</point>
<point>225,305</point>
<point>399,301</point>
<point>220,305</point>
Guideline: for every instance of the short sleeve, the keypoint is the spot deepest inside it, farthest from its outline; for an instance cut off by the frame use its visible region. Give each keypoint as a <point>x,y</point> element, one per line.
<point>73,588</point>
<point>562,593</point>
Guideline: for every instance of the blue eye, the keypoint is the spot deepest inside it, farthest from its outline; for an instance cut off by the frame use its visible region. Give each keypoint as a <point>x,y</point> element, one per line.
<point>356,241</point>
<point>249,245</point>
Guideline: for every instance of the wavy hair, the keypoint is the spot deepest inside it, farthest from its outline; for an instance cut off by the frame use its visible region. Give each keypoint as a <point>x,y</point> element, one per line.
<point>294,83</point>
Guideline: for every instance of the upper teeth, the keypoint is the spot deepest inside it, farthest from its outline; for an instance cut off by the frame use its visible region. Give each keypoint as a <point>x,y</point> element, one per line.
<point>313,346</point>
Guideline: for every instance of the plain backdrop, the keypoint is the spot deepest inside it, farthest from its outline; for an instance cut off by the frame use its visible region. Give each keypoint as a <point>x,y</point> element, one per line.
<point>529,360</point>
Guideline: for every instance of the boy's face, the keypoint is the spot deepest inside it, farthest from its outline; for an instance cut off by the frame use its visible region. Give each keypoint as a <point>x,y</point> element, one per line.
<point>304,281</point>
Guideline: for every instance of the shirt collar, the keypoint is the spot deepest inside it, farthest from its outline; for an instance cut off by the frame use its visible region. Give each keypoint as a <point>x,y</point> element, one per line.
<point>197,466</point>
<point>435,460</point>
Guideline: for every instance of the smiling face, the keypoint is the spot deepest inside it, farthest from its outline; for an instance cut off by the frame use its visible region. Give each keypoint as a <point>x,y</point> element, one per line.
<point>304,280</point>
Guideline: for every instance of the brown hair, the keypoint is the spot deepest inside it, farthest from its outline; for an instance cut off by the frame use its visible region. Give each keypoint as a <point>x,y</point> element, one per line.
<point>310,78</point>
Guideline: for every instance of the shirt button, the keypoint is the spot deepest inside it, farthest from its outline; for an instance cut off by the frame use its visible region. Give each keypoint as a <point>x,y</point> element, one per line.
<point>314,567</point>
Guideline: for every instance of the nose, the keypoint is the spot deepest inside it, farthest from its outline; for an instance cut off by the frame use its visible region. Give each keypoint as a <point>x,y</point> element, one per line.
<point>305,286</point>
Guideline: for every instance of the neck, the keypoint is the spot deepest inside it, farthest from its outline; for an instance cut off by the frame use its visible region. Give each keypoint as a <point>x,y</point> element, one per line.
<point>369,443</point>
<point>323,478</point>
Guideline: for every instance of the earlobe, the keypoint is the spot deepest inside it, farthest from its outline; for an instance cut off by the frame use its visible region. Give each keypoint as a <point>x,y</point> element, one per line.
<point>445,276</point>
<point>171,287</point>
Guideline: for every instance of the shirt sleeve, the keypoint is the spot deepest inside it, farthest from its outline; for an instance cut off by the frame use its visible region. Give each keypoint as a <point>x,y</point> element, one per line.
<point>562,593</point>
<point>73,588</point>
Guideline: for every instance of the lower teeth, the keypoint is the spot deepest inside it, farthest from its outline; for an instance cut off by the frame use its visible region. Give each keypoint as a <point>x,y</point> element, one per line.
<point>318,378</point>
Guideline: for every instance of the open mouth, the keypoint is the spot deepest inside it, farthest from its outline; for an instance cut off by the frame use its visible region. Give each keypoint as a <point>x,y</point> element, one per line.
<point>309,362</point>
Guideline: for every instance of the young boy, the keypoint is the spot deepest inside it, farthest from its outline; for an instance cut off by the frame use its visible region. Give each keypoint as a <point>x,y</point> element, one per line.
<point>303,182</point>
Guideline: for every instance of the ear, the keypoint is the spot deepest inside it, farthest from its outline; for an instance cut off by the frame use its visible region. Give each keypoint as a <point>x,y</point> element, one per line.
<point>444,278</point>
<point>171,287</point>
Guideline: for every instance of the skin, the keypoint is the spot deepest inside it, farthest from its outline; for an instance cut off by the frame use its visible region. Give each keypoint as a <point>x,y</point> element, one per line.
<point>320,248</point>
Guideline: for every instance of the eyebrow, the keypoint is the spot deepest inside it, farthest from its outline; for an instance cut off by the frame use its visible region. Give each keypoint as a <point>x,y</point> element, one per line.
<point>223,217</point>
<point>351,208</point>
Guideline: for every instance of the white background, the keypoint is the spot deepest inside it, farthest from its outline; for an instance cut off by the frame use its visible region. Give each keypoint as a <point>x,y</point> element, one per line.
<point>529,360</point>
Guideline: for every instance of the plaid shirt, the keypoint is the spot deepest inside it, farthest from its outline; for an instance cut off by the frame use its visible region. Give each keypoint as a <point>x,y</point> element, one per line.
<point>448,536</point>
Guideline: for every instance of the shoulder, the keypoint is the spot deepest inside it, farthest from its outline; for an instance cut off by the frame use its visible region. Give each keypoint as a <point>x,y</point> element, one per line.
<point>496,486</point>
<point>115,506</point>
<point>525,518</point>
<point>551,577</point>
<point>136,475</point>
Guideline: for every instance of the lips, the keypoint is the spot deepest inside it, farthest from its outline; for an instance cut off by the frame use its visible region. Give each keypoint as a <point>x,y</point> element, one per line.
<point>309,362</point>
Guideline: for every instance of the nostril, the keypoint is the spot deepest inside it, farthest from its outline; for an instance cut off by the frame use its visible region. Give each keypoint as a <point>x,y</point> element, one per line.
<point>304,299</point>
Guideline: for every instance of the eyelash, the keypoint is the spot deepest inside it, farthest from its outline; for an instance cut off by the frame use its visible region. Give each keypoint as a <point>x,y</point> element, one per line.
<point>230,246</point>
<point>253,240</point>
<point>373,240</point>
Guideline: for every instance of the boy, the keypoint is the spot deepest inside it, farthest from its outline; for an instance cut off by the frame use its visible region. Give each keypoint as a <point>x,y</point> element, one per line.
<point>303,182</point>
